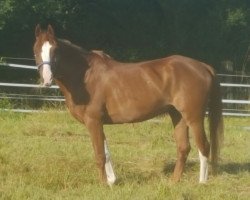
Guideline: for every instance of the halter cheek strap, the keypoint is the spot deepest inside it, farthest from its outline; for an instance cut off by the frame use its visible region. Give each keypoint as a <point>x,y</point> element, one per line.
<point>43,63</point>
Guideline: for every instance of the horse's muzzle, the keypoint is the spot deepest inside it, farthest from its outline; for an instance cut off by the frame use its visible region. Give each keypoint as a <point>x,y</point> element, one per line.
<point>47,84</point>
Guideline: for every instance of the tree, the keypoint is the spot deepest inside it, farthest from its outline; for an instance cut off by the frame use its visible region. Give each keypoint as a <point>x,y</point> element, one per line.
<point>210,31</point>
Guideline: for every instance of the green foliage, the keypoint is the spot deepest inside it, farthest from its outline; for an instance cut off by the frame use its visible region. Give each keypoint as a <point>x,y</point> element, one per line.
<point>5,10</point>
<point>50,156</point>
<point>5,103</point>
<point>236,17</point>
<point>211,31</point>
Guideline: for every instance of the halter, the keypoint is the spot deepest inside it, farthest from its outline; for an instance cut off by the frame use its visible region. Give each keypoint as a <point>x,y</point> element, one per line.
<point>43,63</point>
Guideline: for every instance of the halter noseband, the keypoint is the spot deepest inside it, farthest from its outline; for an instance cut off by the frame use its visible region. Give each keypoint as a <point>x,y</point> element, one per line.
<point>43,63</point>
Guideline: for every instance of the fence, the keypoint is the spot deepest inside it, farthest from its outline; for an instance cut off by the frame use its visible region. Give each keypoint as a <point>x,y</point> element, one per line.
<point>236,94</point>
<point>231,106</point>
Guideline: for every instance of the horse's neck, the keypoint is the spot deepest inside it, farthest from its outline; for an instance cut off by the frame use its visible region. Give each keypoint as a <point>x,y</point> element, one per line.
<point>78,111</point>
<point>74,92</point>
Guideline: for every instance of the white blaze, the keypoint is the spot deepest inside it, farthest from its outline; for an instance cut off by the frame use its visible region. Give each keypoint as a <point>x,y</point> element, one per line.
<point>45,54</point>
<point>203,168</point>
<point>108,166</point>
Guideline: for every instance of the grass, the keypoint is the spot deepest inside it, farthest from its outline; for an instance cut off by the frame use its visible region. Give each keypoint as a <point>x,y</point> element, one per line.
<point>49,156</point>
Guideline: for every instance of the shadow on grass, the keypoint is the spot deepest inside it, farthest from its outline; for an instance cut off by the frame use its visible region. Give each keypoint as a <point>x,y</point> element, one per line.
<point>141,177</point>
<point>234,168</point>
<point>168,169</point>
<point>230,168</point>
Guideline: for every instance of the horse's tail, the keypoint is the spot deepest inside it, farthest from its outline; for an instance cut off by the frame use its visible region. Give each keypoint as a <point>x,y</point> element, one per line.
<point>215,122</point>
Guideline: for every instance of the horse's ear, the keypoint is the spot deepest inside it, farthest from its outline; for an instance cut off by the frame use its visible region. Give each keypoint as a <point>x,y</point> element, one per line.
<point>50,31</point>
<point>38,30</point>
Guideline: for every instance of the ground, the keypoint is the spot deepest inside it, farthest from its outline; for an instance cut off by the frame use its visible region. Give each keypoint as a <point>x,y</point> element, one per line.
<point>49,156</point>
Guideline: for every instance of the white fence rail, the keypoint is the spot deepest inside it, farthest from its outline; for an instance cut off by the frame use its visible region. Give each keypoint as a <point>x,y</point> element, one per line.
<point>234,112</point>
<point>19,66</point>
<point>234,85</point>
<point>25,85</point>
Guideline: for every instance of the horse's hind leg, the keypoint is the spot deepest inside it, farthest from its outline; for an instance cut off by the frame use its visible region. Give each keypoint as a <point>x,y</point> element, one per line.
<point>182,142</point>
<point>203,146</point>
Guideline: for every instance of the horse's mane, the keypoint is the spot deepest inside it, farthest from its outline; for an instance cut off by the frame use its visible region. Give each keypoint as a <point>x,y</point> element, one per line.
<point>83,51</point>
<point>101,53</point>
<point>73,46</point>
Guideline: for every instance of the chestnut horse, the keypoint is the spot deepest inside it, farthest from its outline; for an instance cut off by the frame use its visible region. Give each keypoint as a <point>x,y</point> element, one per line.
<point>100,90</point>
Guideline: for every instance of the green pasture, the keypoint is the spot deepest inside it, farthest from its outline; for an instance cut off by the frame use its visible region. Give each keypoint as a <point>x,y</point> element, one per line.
<point>49,156</point>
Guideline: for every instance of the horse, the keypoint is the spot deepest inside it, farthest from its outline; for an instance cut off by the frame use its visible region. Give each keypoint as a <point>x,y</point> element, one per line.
<point>99,90</point>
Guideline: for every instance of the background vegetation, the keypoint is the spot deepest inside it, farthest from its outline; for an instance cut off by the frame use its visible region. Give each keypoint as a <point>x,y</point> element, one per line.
<point>212,31</point>
<point>49,156</point>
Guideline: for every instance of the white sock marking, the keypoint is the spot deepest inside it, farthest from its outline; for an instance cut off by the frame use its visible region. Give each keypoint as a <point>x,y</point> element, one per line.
<point>203,168</point>
<point>111,178</point>
<point>45,54</point>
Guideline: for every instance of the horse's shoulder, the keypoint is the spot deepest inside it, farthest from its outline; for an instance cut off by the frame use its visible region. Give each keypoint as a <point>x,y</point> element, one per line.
<point>100,60</point>
<point>99,65</point>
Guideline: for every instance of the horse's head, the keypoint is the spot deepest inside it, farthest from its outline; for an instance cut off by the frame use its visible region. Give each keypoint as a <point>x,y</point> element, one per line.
<point>44,47</point>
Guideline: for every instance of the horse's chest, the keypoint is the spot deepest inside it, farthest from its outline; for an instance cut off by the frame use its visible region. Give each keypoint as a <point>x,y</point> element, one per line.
<point>77,111</point>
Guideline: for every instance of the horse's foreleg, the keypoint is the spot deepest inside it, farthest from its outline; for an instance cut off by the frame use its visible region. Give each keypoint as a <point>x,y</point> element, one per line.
<point>102,155</point>
<point>111,178</point>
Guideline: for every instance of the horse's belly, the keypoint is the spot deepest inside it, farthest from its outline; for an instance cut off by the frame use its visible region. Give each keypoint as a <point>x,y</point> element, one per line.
<point>137,99</point>
<point>134,111</point>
